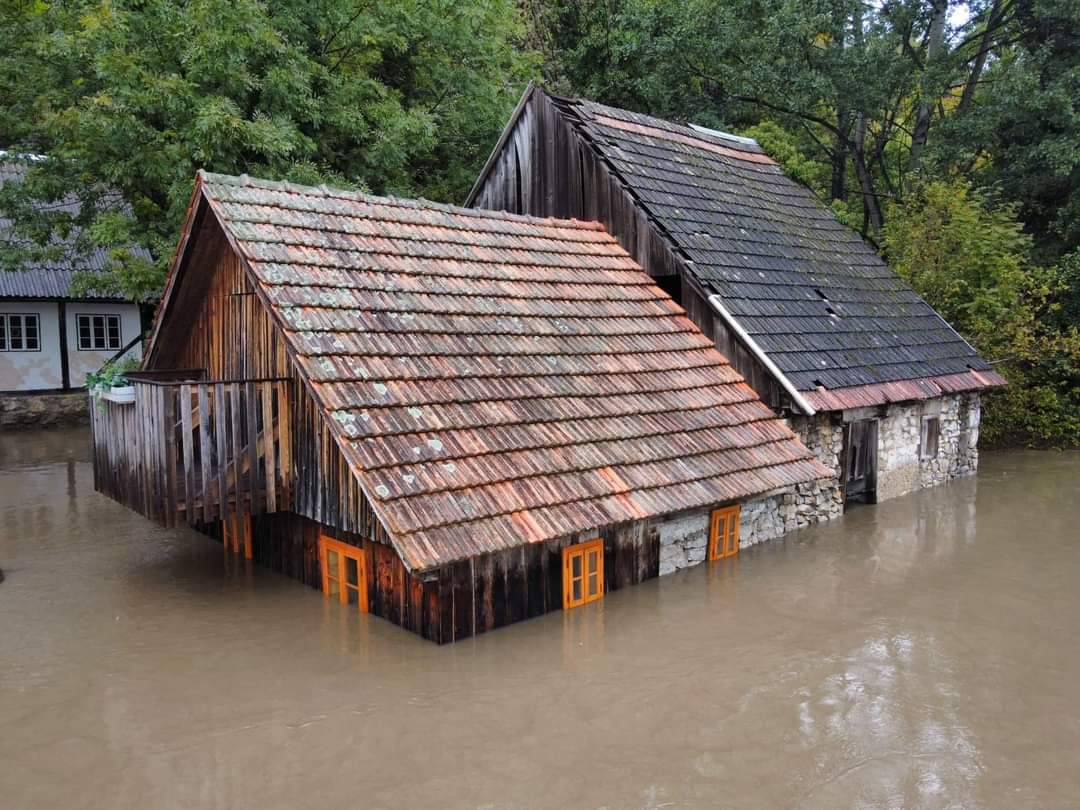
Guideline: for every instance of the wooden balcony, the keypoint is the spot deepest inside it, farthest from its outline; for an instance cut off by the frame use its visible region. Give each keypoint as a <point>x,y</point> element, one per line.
<point>193,450</point>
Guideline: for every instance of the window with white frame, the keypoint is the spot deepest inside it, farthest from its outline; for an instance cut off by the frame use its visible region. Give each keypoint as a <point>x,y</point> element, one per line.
<point>97,332</point>
<point>19,333</point>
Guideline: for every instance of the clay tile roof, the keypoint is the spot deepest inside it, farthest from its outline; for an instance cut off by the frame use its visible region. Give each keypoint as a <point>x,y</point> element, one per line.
<point>811,292</point>
<point>494,379</point>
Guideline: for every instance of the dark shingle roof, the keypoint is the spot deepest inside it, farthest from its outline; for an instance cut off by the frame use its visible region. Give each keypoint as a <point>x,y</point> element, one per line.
<point>810,291</point>
<point>494,380</point>
<point>52,280</point>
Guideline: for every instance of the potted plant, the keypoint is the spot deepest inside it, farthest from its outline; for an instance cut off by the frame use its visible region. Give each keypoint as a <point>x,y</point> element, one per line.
<point>109,382</point>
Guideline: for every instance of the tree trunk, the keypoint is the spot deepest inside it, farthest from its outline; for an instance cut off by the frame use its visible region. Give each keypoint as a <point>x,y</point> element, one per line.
<point>993,19</point>
<point>838,188</point>
<point>935,45</point>
<point>871,205</point>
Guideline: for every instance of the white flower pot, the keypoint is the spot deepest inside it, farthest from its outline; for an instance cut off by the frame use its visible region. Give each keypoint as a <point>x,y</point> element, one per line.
<point>123,395</point>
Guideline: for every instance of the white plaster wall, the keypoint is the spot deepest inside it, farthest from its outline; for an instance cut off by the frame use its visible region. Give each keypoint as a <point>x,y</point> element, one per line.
<point>81,363</point>
<point>31,371</point>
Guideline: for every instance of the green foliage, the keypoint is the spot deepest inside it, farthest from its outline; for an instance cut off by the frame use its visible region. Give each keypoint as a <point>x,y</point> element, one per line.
<point>970,259</point>
<point>395,96</point>
<point>112,374</point>
<point>834,91</point>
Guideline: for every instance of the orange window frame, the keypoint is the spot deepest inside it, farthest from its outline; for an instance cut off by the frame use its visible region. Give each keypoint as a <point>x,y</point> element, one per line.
<point>724,532</point>
<point>583,565</point>
<point>334,558</point>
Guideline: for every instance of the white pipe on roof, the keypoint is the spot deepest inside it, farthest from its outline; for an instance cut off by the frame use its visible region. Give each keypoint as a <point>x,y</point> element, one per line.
<point>751,344</point>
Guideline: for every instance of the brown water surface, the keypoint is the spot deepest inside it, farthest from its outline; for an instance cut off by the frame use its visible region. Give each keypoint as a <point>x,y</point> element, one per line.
<point>921,653</point>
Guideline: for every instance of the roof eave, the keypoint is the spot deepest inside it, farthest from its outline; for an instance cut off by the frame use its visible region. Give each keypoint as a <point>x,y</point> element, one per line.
<point>912,390</point>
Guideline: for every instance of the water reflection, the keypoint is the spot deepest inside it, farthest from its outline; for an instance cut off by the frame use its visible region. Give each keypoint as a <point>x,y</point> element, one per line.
<point>921,653</point>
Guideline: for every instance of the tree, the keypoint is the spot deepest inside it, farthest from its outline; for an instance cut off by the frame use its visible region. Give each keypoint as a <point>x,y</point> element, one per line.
<point>970,259</point>
<point>127,99</point>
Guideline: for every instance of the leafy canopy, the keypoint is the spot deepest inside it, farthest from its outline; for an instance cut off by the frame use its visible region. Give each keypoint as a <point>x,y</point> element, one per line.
<point>132,96</point>
<point>971,258</point>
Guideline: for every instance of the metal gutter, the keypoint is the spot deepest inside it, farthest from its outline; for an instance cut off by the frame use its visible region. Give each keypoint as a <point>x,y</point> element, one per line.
<point>751,344</point>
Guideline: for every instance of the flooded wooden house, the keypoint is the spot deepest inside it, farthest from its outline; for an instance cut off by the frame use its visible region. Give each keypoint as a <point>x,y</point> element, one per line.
<point>871,378</point>
<point>450,418</point>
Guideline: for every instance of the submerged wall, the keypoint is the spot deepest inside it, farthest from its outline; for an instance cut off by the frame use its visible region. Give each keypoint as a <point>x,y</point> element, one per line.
<point>684,540</point>
<point>44,409</point>
<point>903,464</point>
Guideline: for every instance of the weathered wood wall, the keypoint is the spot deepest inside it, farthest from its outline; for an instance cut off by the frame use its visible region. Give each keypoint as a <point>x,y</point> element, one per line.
<point>495,590</point>
<point>289,543</point>
<point>197,451</point>
<point>546,168</point>
<point>217,322</point>
<point>461,600</point>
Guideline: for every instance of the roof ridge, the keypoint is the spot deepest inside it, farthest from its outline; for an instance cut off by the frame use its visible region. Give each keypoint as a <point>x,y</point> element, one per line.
<point>419,203</point>
<point>687,128</point>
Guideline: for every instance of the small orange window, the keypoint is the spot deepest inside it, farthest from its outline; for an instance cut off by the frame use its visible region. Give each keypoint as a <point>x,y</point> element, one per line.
<point>724,533</point>
<point>583,573</point>
<point>344,572</point>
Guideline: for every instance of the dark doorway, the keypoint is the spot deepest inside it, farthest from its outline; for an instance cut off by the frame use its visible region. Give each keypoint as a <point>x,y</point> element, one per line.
<point>860,461</point>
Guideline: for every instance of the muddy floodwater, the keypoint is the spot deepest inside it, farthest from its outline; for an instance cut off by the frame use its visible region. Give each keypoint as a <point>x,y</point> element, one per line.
<point>920,653</point>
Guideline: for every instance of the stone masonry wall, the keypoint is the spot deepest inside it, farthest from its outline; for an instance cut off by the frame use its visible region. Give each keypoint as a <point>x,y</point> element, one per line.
<point>901,468</point>
<point>43,410</point>
<point>958,445</point>
<point>898,451</point>
<point>684,540</point>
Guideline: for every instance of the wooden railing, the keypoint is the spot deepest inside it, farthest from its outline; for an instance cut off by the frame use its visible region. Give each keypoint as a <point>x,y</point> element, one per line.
<point>195,451</point>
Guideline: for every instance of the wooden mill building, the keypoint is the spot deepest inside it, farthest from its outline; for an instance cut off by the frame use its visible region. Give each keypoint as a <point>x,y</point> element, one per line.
<point>454,419</point>
<point>873,380</point>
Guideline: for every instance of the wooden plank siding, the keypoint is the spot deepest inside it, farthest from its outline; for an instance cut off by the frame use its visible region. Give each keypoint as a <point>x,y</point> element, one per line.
<point>221,331</point>
<point>175,454</point>
<point>545,168</point>
<point>461,600</point>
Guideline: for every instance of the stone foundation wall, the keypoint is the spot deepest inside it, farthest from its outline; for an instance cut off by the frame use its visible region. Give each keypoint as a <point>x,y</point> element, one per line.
<point>823,435</point>
<point>684,540</point>
<point>44,409</point>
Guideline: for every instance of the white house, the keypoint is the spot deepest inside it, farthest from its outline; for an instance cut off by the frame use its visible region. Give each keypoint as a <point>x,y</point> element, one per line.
<point>50,340</point>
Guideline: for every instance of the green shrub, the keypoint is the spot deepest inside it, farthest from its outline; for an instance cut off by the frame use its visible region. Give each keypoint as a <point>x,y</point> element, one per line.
<point>970,259</point>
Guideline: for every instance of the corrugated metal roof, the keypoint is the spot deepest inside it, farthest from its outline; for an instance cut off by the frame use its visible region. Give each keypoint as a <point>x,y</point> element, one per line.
<point>51,280</point>
<point>495,380</point>
<point>810,291</point>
